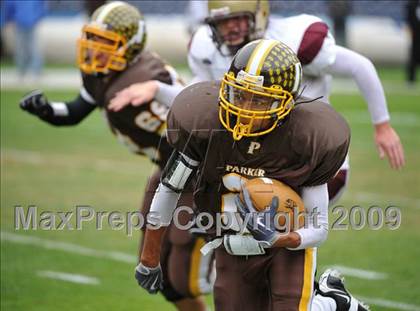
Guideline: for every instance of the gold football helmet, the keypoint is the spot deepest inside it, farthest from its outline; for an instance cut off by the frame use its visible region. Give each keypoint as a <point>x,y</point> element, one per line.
<point>112,39</point>
<point>257,12</point>
<point>259,89</point>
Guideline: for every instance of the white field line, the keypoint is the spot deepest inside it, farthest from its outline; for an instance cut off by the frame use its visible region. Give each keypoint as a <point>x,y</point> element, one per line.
<point>121,257</point>
<point>67,247</point>
<point>343,86</point>
<point>402,119</point>
<point>394,199</point>
<point>58,160</point>
<point>393,305</point>
<point>68,277</point>
<point>360,273</point>
<point>36,158</point>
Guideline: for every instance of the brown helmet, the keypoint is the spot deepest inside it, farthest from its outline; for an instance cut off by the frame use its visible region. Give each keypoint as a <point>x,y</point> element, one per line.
<point>117,30</point>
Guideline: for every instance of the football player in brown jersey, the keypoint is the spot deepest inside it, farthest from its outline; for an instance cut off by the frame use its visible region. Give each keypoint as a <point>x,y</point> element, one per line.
<point>231,24</point>
<point>111,57</point>
<point>253,124</point>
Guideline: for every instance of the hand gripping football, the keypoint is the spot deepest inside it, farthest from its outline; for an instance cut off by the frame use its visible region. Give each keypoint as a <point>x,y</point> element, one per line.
<point>290,212</point>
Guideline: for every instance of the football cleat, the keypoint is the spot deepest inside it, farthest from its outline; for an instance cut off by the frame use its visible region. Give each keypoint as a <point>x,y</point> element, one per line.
<point>331,284</point>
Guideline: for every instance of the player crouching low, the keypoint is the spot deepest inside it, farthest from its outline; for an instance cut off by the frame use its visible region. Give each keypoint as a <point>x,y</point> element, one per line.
<point>252,121</point>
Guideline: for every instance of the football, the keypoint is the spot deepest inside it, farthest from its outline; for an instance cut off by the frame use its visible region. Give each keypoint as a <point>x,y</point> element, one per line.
<point>291,208</point>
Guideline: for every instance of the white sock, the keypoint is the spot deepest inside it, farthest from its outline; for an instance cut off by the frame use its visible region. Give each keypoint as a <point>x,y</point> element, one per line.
<point>321,303</point>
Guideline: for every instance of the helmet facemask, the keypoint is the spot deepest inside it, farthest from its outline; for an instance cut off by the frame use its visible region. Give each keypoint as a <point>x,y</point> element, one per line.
<point>241,32</point>
<point>100,51</point>
<point>248,109</point>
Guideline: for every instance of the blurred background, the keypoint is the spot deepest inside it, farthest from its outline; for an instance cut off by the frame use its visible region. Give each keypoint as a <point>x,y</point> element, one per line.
<point>57,169</point>
<point>378,29</point>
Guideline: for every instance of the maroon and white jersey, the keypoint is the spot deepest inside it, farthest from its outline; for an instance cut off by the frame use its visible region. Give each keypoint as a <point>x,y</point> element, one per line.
<point>307,35</point>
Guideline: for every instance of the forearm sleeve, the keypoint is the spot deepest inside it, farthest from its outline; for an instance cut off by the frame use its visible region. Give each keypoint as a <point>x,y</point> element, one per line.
<point>70,113</point>
<point>363,72</point>
<point>315,231</point>
<point>163,206</point>
<point>174,178</point>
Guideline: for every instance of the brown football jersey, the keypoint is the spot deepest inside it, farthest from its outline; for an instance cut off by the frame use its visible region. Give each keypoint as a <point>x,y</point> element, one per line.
<point>140,128</point>
<point>306,149</point>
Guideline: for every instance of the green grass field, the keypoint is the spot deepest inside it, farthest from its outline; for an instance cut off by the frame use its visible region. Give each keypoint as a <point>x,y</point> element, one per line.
<point>57,169</point>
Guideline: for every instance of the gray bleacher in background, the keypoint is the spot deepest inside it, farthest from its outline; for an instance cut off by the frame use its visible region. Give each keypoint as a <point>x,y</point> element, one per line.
<point>374,28</point>
<point>393,9</point>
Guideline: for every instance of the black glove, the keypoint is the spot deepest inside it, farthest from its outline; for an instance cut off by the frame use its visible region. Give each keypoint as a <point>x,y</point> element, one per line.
<point>36,103</point>
<point>149,278</point>
<point>260,224</point>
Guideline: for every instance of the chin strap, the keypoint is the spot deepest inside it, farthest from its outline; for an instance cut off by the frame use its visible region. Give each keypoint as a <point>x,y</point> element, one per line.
<point>305,101</point>
<point>239,131</point>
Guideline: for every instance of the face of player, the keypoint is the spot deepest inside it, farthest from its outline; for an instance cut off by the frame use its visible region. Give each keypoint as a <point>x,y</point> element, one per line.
<point>233,30</point>
<point>253,102</point>
<point>100,57</point>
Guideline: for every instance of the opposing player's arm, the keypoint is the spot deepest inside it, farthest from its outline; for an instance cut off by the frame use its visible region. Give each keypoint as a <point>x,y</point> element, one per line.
<point>363,72</point>
<point>58,113</point>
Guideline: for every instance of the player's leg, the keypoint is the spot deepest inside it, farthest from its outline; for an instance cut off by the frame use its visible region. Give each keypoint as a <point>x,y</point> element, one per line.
<point>241,282</point>
<point>188,304</point>
<point>190,273</point>
<point>338,183</point>
<point>291,279</point>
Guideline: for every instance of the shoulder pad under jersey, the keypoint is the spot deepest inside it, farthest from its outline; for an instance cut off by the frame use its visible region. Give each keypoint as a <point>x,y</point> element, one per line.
<point>322,135</point>
<point>309,37</point>
<point>193,118</point>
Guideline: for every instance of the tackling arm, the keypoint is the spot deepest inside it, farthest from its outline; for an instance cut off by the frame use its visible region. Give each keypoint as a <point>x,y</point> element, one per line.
<point>364,74</point>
